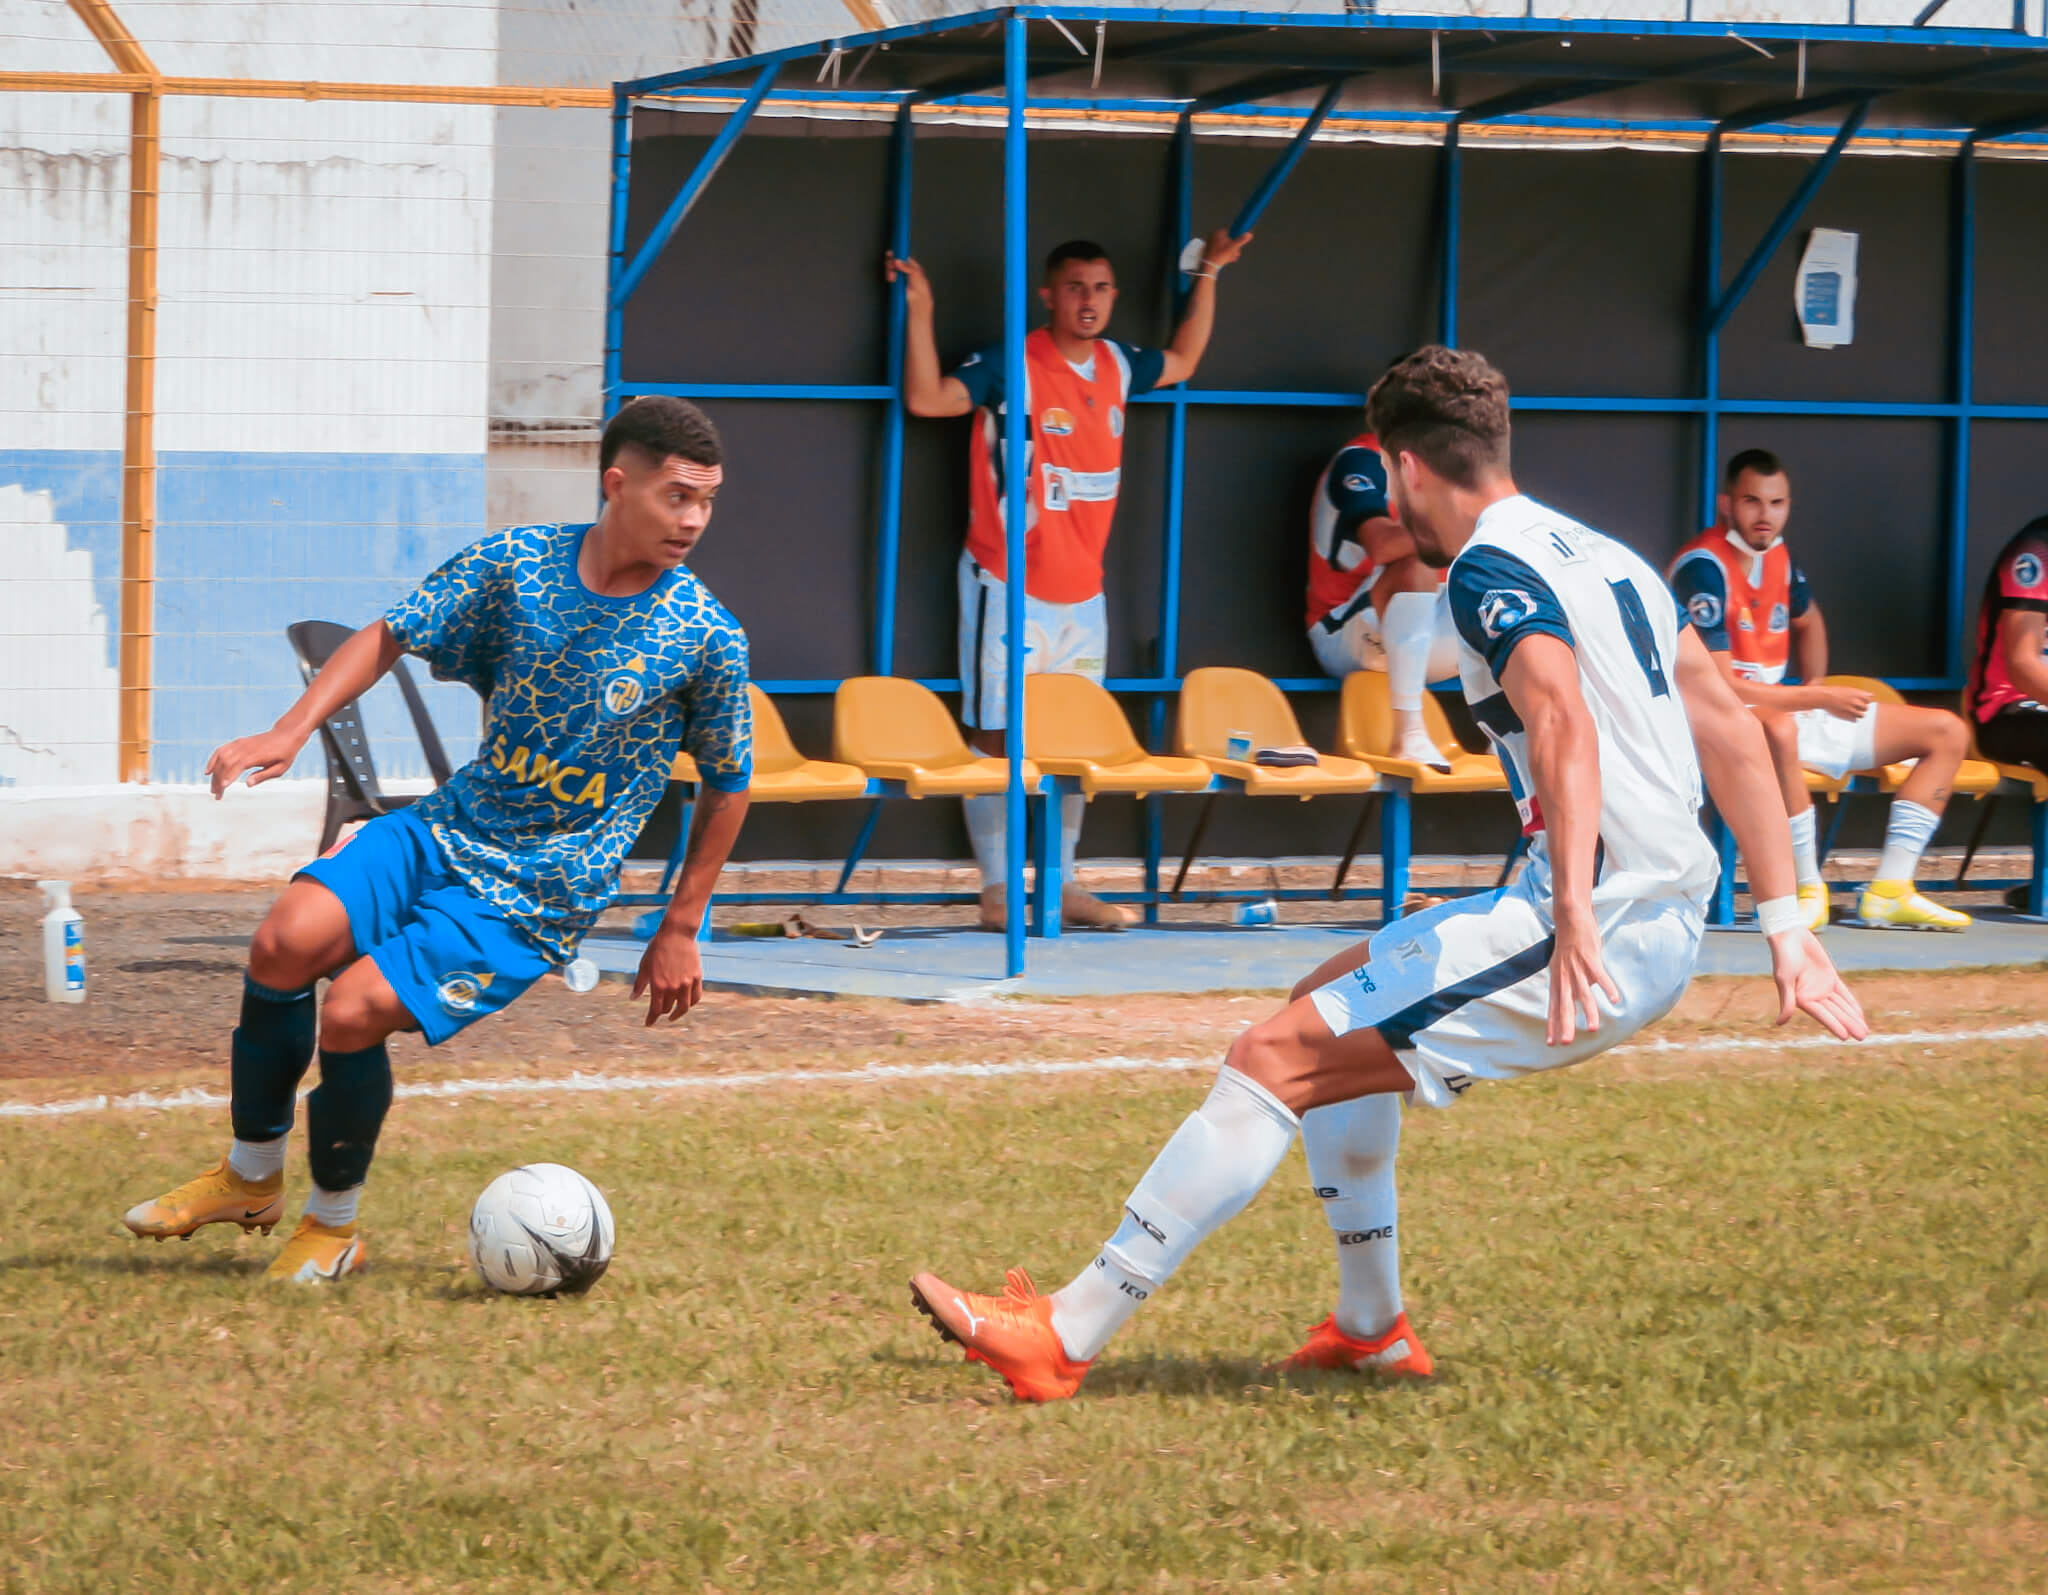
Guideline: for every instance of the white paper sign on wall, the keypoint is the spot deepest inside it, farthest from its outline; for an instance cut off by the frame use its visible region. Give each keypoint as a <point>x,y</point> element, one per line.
<point>1825,293</point>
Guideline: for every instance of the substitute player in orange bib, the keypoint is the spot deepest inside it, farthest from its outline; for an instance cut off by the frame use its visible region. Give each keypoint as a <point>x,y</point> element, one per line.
<point>1079,381</point>
<point>1751,604</point>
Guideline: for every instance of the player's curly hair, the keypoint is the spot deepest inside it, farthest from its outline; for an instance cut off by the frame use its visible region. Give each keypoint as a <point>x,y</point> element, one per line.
<point>659,425</point>
<point>1448,407</point>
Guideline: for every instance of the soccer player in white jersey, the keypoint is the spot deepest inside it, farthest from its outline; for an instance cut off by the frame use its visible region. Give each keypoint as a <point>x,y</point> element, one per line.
<point>1595,692</point>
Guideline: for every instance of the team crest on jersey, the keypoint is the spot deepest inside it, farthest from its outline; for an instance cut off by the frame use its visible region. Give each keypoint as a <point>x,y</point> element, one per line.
<point>2026,570</point>
<point>1057,423</point>
<point>460,992</point>
<point>1705,610</point>
<point>624,690</point>
<point>1780,618</point>
<point>1502,607</point>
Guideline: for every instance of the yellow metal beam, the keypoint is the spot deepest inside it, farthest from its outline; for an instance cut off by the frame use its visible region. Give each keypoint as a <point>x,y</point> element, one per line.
<point>287,89</point>
<point>138,442</point>
<point>138,433</point>
<point>114,37</point>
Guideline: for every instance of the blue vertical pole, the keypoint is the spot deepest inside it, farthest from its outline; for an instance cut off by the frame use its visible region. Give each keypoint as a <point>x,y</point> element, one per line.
<point>1016,415</point>
<point>1180,223</point>
<point>615,260</point>
<point>1963,352</point>
<point>889,533</point>
<point>1710,335</point>
<point>1447,312</point>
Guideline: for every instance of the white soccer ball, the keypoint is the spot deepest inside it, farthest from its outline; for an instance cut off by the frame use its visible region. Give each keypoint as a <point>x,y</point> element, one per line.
<point>539,1229</point>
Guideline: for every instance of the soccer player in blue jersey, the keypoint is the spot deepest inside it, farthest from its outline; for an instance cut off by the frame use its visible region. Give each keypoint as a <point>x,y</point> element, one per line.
<point>598,655</point>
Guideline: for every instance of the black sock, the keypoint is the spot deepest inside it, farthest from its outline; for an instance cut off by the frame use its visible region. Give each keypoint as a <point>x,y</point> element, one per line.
<point>344,1114</point>
<point>271,1048</point>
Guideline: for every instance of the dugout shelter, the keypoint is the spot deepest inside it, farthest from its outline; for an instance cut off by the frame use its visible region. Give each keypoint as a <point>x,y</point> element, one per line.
<point>1610,210</point>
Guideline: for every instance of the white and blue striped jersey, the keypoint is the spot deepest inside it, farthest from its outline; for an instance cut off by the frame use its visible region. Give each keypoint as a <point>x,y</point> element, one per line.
<point>1529,571</point>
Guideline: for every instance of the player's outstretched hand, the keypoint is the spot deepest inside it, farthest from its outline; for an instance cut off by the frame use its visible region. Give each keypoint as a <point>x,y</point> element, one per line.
<point>1807,982</point>
<point>671,973</point>
<point>263,757</point>
<point>917,287</point>
<point>1576,973</point>
<point>1219,249</point>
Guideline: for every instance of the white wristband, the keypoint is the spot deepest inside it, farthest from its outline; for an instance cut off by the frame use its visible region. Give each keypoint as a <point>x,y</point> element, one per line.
<point>1779,915</point>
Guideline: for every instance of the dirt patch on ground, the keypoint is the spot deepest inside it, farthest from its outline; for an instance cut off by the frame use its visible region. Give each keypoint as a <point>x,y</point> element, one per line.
<point>166,980</point>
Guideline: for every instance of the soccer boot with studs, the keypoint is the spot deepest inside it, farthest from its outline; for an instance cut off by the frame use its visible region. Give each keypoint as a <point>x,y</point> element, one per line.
<point>318,1255</point>
<point>219,1196</point>
<point>1012,1333</point>
<point>1813,902</point>
<point>1396,1354</point>
<point>1894,905</point>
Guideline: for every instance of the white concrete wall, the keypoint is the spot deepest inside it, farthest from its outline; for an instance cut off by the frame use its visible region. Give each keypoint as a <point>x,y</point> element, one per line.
<point>323,333</point>
<point>137,834</point>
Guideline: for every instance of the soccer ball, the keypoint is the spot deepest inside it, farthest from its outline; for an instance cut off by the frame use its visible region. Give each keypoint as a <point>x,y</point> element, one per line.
<point>539,1229</point>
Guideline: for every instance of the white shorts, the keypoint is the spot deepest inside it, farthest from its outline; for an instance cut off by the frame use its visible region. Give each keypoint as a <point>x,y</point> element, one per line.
<point>1461,991</point>
<point>1833,747</point>
<point>1356,644</point>
<point>1059,639</point>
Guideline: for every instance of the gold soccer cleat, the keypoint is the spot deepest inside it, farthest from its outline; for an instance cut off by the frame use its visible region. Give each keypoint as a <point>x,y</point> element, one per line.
<point>1894,905</point>
<point>219,1196</point>
<point>317,1255</point>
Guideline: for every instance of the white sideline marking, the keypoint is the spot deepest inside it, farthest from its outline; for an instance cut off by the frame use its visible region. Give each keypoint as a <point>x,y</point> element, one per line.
<point>199,1097</point>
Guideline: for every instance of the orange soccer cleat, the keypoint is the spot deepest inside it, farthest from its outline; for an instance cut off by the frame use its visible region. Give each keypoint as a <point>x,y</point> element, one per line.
<point>219,1196</point>
<point>1012,1333</point>
<point>1397,1354</point>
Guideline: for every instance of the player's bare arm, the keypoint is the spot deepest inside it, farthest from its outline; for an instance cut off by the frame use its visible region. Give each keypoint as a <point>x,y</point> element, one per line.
<point>2022,633</point>
<point>357,666</point>
<point>1736,763</point>
<point>1844,703</point>
<point>1386,540</point>
<point>1542,683</point>
<point>1191,337</point>
<point>927,391</point>
<point>671,972</point>
<point>1810,643</point>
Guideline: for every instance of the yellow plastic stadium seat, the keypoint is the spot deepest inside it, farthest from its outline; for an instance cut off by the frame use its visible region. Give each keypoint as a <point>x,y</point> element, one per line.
<point>1218,700</point>
<point>1365,730</point>
<point>1073,727</point>
<point>1974,778</point>
<point>896,730</point>
<point>781,773</point>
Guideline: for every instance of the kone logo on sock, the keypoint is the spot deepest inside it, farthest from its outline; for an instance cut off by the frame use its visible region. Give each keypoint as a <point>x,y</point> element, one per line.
<point>460,992</point>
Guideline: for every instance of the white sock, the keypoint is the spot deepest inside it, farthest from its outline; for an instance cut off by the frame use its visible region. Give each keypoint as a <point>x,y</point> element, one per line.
<point>1905,839</point>
<point>1806,846</point>
<point>1073,808</point>
<point>1351,1148</point>
<point>257,1160</point>
<point>1407,626</point>
<point>335,1209</point>
<point>1216,1162</point>
<point>988,831</point>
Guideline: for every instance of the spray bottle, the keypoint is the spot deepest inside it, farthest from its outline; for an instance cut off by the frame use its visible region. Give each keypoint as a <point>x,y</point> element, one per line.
<point>63,945</point>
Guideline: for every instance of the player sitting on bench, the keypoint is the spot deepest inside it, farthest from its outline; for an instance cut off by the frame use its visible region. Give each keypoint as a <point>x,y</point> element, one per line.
<point>1752,606</point>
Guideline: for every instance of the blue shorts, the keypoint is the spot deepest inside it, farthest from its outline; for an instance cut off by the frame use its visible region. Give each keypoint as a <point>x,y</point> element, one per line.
<point>450,956</point>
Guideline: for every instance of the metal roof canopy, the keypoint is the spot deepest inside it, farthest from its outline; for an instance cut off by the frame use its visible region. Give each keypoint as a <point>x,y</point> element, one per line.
<point>1467,69</point>
<point>1965,86</point>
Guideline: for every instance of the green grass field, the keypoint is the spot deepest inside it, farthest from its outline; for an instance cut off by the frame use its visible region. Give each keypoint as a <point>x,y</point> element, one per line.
<point>1781,1326</point>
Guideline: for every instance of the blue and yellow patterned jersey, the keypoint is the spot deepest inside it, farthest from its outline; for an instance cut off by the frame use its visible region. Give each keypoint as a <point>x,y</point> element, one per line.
<point>589,698</point>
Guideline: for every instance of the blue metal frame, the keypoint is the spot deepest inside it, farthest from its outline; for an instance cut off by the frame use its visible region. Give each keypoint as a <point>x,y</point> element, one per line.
<point>1473,35</point>
<point>1016,286</point>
